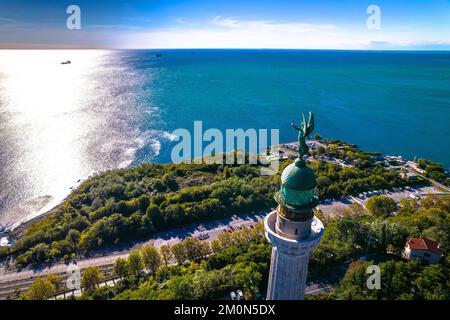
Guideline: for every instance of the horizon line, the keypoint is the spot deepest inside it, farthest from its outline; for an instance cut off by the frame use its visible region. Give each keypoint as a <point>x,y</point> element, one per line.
<point>233,48</point>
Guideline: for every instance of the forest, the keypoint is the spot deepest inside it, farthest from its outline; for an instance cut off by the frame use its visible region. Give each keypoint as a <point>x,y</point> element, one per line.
<point>194,269</point>
<point>124,205</point>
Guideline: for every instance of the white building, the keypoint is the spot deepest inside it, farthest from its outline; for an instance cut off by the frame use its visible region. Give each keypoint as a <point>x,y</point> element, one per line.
<point>423,249</point>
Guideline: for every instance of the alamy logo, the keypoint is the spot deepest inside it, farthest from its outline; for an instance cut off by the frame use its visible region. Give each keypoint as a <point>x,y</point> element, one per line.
<point>74,20</point>
<point>191,150</point>
<point>374,19</point>
<point>374,280</point>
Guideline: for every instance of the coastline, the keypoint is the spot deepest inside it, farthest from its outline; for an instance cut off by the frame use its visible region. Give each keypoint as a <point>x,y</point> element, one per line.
<point>16,232</point>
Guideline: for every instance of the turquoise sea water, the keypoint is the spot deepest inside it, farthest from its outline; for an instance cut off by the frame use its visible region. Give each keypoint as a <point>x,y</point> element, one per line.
<point>393,102</point>
<point>109,109</point>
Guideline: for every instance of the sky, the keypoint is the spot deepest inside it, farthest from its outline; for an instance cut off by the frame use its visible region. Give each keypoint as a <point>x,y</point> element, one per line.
<point>293,24</point>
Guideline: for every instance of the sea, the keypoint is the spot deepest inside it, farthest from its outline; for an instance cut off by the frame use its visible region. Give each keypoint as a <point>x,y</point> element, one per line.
<point>61,123</point>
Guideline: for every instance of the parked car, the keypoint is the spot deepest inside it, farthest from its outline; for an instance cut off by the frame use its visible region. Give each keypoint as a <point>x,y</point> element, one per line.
<point>240,295</point>
<point>203,236</point>
<point>233,296</point>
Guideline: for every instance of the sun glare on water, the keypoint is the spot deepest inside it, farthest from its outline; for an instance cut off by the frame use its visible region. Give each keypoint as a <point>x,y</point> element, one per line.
<point>48,112</point>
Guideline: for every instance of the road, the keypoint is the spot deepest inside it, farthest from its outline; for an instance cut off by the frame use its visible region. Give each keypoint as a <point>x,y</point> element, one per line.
<point>11,279</point>
<point>413,168</point>
<point>317,289</point>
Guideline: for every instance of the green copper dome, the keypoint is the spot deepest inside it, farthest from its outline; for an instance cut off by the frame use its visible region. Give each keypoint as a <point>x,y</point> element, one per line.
<point>298,184</point>
<point>298,176</point>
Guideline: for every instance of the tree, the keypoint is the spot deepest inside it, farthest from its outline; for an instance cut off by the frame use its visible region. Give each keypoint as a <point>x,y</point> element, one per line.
<point>135,264</point>
<point>422,163</point>
<point>54,279</point>
<point>154,213</point>
<point>41,289</point>
<point>190,249</point>
<point>159,185</point>
<point>4,251</point>
<point>73,236</point>
<point>179,252</point>
<point>121,267</point>
<point>381,206</point>
<point>169,180</point>
<point>245,275</point>
<point>390,236</point>
<point>91,278</point>
<point>40,253</point>
<point>321,150</point>
<point>166,254</point>
<point>433,284</point>
<point>180,288</point>
<point>355,210</point>
<point>151,258</point>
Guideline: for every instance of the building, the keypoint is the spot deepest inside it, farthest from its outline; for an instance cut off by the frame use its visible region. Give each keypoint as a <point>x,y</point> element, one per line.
<point>423,249</point>
<point>293,230</point>
<point>407,175</point>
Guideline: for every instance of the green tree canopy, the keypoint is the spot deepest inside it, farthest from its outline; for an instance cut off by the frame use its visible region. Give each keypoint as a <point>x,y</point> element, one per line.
<point>381,206</point>
<point>150,258</point>
<point>40,289</point>
<point>91,278</point>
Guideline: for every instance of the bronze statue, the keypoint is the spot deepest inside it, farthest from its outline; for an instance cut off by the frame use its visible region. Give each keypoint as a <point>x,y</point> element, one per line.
<point>303,132</point>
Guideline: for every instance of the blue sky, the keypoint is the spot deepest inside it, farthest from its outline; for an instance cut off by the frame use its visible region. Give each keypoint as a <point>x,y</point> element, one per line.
<point>309,24</point>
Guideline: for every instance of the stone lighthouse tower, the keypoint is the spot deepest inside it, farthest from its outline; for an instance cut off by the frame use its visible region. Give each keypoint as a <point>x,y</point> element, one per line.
<point>292,228</point>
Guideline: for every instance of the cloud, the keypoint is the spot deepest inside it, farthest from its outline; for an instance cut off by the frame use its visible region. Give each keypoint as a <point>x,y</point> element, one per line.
<point>227,22</point>
<point>225,32</point>
<point>7,23</point>
<point>268,25</point>
<point>231,32</point>
<point>409,45</point>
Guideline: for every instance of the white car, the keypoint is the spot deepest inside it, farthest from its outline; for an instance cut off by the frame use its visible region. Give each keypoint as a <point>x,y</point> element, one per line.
<point>240,295</point>
<point>233,296</point>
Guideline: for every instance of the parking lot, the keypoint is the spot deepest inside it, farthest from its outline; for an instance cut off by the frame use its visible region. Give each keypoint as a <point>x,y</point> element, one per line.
<point>330,206</point>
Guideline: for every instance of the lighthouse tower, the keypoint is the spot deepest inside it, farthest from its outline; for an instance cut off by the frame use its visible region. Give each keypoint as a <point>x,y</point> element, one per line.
<point>292,228</point>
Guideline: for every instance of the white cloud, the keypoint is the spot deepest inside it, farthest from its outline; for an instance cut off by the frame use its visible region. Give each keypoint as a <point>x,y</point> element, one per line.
<point>231,32</point>
<point>227,22</point>
<point>234,33</point>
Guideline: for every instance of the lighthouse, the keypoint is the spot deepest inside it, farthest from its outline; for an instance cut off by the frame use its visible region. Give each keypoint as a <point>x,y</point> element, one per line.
<point>292,228</point>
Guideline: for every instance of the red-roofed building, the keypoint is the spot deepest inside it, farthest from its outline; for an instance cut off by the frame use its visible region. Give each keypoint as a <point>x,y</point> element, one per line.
<point>423,249</point>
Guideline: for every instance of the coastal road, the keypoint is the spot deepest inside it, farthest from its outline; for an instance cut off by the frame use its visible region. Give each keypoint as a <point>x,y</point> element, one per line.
<point>413,168</point>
